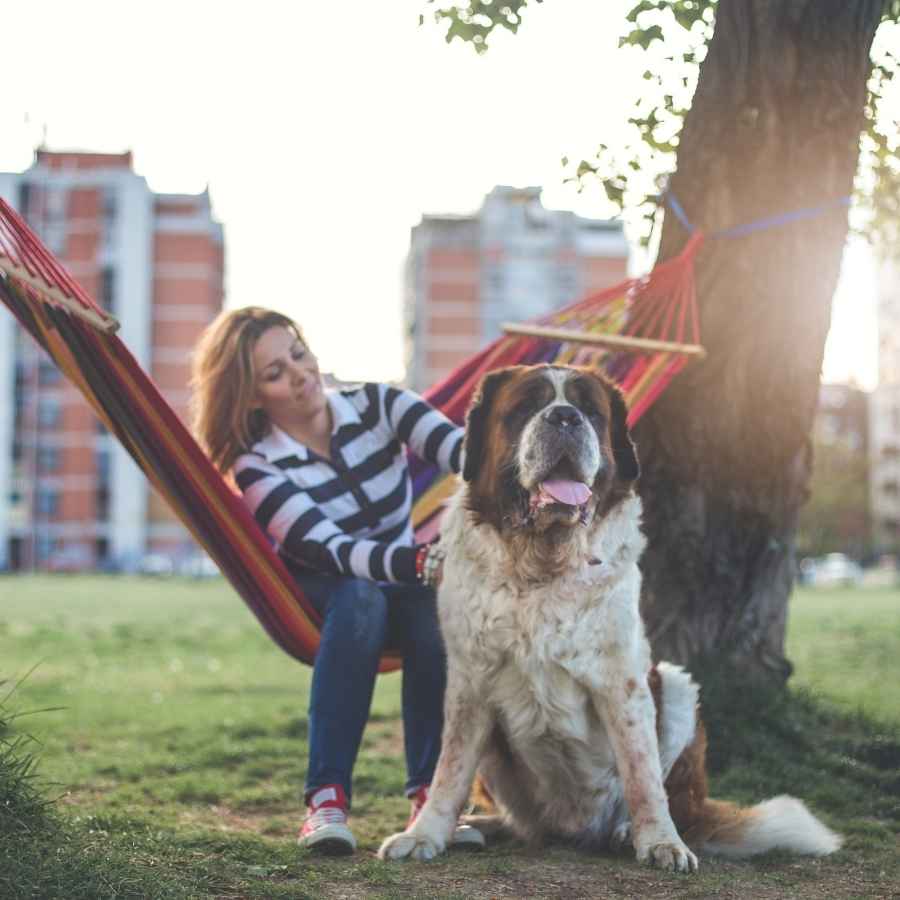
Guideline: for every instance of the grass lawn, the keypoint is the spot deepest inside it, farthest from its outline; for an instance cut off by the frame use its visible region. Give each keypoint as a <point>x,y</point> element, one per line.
<point>175,736</point>
<point>845,645</point>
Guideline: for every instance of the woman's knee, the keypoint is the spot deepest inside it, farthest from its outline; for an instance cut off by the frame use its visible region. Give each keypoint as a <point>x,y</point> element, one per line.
<point>358,608</point>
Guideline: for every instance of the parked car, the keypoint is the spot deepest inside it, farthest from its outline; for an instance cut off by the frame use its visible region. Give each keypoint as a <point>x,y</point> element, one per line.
<point>806,570</point>
<point>198,565</point>
<point>155,564</point>
<point>72,558</point>
<point>836,569</point>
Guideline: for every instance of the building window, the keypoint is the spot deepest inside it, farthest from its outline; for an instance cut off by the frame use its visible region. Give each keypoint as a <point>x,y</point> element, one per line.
<point>46,501</point>
<point>101,460</point>
<point>110,214</point>
<point>101,548</point>
<point>101,495</point>
<point>48,373</point>
<point>49,412</point>
<point>43,547</point>
<point>110,205</point>
<point>108,289</point>
<point>101,501</point>
<point>25,194</point>
<point>48,459</point>
<point>52,219</point>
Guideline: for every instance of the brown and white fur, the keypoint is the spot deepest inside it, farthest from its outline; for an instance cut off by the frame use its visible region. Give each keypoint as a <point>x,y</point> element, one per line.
<point>551,694</point>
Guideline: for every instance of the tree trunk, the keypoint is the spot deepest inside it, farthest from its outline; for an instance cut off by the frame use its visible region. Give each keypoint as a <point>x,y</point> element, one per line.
<point>725,452</point>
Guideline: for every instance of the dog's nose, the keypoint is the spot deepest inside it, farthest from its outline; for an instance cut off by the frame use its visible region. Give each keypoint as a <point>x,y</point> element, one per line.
<point>564,417</point>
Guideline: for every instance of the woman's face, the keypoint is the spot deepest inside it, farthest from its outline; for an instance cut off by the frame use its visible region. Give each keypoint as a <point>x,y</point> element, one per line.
<point>288,383</point>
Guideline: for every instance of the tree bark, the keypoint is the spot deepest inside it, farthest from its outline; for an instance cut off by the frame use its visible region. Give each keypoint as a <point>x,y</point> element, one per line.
<point>725,452</point>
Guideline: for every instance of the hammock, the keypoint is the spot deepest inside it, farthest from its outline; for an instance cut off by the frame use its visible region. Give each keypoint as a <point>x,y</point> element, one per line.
<point>641,332</point>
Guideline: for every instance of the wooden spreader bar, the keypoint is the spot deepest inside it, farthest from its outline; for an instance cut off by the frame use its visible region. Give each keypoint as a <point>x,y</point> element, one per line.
<point>646,345</point>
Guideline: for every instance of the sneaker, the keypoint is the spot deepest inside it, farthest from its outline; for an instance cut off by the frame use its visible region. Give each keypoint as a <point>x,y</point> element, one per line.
<point>325,827</point>
<point>465,837</point>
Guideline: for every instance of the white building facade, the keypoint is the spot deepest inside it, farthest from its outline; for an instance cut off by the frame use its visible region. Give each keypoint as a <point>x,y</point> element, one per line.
<point>71,497</point>
<point>513,260</point>
<point>884,417</point>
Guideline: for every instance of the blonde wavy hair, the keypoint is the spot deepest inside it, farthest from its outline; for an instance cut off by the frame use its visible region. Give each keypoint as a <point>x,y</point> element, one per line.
<point>223,383</point>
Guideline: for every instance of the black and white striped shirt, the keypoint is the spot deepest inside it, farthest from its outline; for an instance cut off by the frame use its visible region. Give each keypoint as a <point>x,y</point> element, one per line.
<point>349,515</point>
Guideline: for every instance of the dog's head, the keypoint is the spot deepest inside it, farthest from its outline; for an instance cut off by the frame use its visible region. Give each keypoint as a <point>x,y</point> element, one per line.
<point>547,447</point>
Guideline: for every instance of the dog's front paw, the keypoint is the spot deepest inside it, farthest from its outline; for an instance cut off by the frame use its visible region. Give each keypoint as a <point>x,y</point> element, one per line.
<point>671,855</point>
<point>410,845</point>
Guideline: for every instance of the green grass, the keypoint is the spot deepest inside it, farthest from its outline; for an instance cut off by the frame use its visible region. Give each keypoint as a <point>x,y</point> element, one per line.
<point>178,756</point>
<point>845,645</point>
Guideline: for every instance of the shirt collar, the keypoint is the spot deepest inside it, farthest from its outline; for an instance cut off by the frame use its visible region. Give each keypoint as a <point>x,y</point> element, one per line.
<point>278,444</point>
<point>343,412</point>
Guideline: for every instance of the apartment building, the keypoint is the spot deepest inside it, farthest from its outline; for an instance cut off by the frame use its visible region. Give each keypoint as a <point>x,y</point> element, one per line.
<point>884,417</point>
<point>70,496</point>
<point>513,260</point>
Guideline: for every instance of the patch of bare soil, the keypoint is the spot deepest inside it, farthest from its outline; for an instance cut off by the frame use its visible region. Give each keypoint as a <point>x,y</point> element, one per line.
<point>549,877</point>
<point>268,821</point>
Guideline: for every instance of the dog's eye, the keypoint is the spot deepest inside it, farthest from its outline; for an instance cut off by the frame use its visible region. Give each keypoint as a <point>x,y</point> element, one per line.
<point>525,407</point>
<point>592,413</point>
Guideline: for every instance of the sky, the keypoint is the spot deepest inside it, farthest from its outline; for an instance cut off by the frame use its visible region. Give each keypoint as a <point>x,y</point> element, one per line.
<point>324,131</point>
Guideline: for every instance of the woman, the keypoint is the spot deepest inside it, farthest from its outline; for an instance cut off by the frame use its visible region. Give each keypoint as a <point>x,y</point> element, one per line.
<point>324,473</point>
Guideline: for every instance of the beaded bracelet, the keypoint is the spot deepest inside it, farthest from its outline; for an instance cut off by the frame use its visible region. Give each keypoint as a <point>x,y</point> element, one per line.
<point>429,559</point>
<point>421,554</point>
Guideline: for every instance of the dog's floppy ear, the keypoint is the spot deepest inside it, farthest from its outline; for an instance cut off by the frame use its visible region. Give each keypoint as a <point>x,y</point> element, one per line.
<point>627,467</point>
<point>476,421</point>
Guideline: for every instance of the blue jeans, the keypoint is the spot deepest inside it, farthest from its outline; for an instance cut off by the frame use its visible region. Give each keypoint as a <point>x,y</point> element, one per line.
<point>361,618</point>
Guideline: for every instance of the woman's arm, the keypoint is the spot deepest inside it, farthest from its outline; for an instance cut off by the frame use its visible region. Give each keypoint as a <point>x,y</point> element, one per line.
<point>427,431</point>
<point>305,534</point>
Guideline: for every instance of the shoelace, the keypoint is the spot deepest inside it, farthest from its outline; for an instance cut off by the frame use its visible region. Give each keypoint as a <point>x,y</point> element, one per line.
<point>325,815</point>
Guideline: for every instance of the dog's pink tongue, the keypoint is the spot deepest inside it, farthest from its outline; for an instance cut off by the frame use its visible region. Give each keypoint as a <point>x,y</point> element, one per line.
<point>572,493</point>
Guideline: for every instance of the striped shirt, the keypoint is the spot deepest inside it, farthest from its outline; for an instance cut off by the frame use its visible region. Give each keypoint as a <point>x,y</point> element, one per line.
<point>350,514</point>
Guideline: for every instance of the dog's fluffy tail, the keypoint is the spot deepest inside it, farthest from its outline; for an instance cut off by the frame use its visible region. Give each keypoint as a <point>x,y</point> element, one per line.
<point>782,823</point>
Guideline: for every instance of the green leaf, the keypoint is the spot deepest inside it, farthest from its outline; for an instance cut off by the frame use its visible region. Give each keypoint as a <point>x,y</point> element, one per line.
<point>642,7</point>
<point>642,37</point>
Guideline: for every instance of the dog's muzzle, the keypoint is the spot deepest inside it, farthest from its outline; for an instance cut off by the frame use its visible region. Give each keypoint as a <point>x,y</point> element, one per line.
<point>559,458</point>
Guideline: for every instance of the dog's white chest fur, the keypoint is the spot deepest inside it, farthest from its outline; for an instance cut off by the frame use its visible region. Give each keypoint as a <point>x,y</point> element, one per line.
<point>575,623</point>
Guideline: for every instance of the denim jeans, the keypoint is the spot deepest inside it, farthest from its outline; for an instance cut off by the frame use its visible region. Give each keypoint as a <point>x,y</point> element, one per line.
<point>361,618</point>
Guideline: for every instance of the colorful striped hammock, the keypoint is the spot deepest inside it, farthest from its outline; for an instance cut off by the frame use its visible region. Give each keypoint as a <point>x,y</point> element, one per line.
<point>641,332</point>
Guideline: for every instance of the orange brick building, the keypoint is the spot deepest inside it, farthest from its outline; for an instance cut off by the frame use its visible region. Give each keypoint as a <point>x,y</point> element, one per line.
<point>513,260</point>
<point>73,497</point>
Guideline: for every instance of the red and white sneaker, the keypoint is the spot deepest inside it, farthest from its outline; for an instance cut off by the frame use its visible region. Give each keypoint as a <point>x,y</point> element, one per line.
<point>465,837</point>
<point>325,827</point>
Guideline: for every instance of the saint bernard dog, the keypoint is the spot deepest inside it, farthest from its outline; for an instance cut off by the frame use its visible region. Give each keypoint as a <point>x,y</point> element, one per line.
<point>552,698</point>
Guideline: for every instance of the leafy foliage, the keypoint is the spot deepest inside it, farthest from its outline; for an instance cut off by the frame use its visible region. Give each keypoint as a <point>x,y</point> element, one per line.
<point>879,173</point>
<point>674,34</point>
<point>475,20</point>
<point>835,518</point>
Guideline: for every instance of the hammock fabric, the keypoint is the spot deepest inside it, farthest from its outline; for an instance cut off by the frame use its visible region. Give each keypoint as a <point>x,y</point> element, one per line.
<point>80,337</point>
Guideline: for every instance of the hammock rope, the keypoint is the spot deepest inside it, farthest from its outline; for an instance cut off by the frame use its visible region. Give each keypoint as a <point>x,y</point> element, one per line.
<point>79,335</point>
<point>763,224</point>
